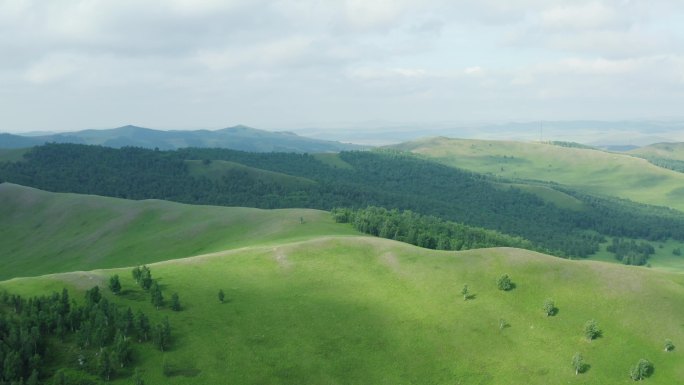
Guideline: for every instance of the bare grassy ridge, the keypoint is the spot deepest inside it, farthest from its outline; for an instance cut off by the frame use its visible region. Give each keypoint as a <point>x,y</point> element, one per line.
<point>47,232</point>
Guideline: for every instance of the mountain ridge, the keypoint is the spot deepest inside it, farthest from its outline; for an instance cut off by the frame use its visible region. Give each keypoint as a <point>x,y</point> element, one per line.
<point>239,137</point>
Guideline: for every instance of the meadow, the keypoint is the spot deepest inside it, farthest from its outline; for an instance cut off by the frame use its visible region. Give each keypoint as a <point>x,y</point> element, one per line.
<point>360,310</point>
<point>593,171</point>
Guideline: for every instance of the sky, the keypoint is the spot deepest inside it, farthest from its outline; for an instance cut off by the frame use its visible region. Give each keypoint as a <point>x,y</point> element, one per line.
<point>329,64</point>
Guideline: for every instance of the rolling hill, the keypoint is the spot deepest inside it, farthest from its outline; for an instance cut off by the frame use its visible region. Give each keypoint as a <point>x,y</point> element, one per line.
<point>673,151</point>
<point>238,138</point>
<point>593,171</point>
<point>362,310</point>
<point>48,232</point>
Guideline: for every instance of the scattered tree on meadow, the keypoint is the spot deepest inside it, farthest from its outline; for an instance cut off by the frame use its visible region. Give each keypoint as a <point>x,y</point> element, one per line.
<point>677,252</point>
<point>221,295</point>
<point>669,346</point>
<point>591,330</point>
<point>464,292</point>
<point>156,296</point>
<point>578,363</point>
<point>503,324</point>
<point>549,307</point>
<point>504,283</point>
<point>142,326</point>
<point>114,284</point>
<point>175,302</point>
<point>162,335</point>
<point>643,369</point>
<point>137,274</point>
<point>145,278</point>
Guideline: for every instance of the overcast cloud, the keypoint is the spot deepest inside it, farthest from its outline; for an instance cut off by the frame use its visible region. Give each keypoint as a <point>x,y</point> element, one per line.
<point>68,65</point>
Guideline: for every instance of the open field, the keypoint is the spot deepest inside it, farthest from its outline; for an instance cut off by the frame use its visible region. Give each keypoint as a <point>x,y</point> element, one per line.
<point>674,151</point>
<point>370,311</point>
<point>46,232</point>
<point>594,171</point>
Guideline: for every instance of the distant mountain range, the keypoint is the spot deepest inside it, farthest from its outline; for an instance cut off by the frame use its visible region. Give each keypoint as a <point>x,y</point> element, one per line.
<point>237,138</point>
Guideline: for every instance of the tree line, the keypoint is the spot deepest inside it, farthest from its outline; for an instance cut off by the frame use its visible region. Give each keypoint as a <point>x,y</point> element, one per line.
<point>424,230</point>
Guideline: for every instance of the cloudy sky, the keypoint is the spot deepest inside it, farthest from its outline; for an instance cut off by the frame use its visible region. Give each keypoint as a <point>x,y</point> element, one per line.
<point>285,64</point>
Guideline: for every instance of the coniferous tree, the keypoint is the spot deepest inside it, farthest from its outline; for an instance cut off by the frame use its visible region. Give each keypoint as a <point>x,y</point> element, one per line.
<point>104,364</point>
<point>175,302</point>
<point>142,326</point>
<point>114,284</point>
<point>221,295</point>
<point>145,278</point>
<point>137,274</point>
<point>156,295</point>
<point>464,292</point>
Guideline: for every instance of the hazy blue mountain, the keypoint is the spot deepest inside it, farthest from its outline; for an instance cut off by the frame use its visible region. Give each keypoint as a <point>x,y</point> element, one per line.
<point>237,138</point>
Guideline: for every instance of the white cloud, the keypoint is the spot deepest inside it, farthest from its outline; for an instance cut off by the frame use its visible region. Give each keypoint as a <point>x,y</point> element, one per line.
<point>581,16</point>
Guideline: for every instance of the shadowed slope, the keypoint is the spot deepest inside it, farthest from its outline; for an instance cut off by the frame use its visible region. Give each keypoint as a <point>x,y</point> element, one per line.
<point>48,232</point>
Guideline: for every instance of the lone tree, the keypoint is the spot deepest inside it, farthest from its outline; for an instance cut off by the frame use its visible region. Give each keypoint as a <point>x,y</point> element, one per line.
<point>549,307</point>
<point>464,291</point>
<point>504,283</point>
<point>578,363</point>
<point>591,330</point>
<point>643,369</point>
<point>114,284</point>
<point>221,295</point>
<point>175,302</point>
<point>669,346</point>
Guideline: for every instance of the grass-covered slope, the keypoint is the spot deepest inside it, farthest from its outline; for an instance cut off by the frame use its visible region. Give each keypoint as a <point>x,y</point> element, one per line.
<point>371,311</point>
<point>673,151</point>
<point>594,171</point>
<point>46,232</point>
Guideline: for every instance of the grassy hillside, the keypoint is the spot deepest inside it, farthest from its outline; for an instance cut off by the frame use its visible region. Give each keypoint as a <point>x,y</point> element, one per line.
<point>47,232</point>
<point>594,171</point>
<point>370,311</point>
<point>674,151</point>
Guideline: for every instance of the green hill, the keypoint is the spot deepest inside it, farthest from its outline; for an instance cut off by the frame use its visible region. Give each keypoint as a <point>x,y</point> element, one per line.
<point>673,151</point>
<point>370,311</point>
<point>237,137</point>
<point>48,232</point>
<point>593,171</point>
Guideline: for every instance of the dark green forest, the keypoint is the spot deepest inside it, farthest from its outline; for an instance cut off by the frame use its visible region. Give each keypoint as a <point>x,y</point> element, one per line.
<point>424,230</point>
<point>88,340</point>
<point>389,179</point>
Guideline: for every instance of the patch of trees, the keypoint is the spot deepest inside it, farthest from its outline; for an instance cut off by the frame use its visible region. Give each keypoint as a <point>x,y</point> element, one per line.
<point>424,230</point>
<point>103,332</point>
<point>376,178</point>
<point>630,252</point>
<point>671,164</point>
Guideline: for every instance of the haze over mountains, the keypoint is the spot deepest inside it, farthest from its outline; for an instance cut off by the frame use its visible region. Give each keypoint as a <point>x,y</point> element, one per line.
<point>237,138</point>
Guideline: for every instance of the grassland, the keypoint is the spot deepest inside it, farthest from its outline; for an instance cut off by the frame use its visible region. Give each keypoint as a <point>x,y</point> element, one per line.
<point>674,151</point>
<point>594,171</point>
<point>370,311</point>
<point>47,233</point>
